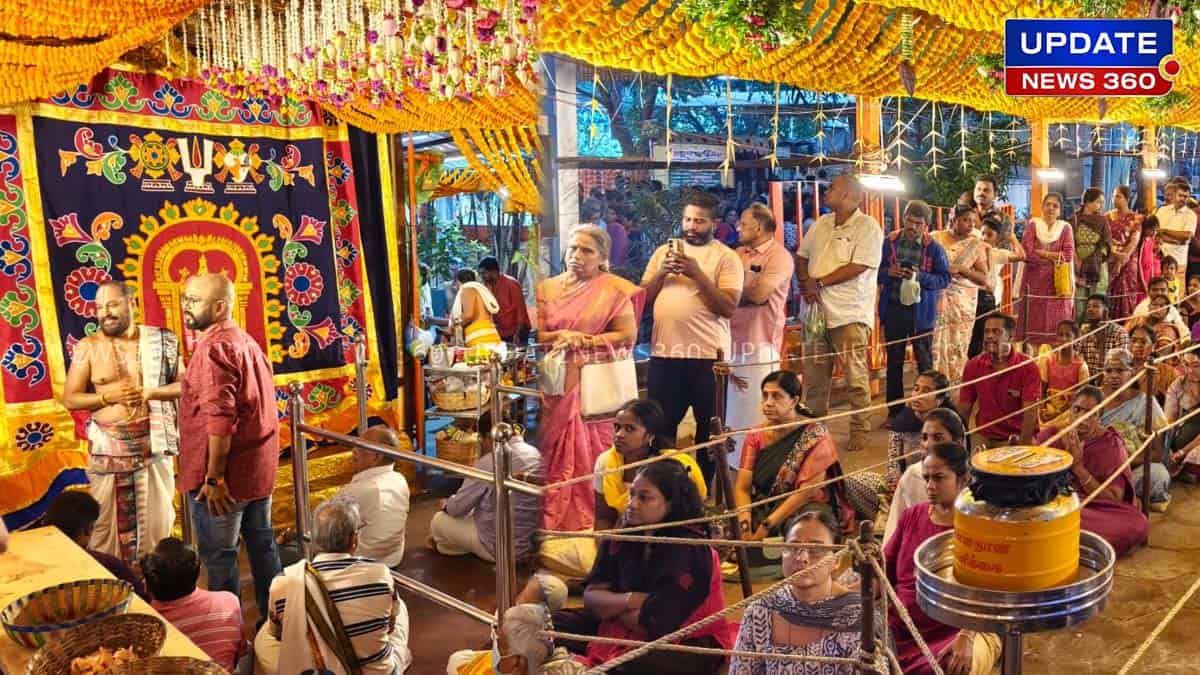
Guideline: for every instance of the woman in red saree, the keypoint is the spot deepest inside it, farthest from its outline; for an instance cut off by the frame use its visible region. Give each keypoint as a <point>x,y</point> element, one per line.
<point>1124,265</point>
<point>1099,451</point>
<point>959,652</point>
<point>584,310</point>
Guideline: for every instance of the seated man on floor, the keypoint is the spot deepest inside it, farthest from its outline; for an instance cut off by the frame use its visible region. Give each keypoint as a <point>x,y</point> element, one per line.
<point>75,513</point>
<point>211,619</point>
<point>467,522</point>
<point>382,496</point>
<point>341,611</point>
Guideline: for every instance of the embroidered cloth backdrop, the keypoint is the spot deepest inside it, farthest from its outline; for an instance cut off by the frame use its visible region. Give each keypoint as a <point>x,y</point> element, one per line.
<point>137,178</point>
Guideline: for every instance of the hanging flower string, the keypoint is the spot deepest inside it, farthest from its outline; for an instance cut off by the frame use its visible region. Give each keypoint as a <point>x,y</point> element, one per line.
<point>341,52</point>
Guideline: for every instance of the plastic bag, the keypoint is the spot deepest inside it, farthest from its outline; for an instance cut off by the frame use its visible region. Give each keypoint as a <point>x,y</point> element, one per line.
<point>910,291</point>
<point>552,373</point>
<point>418,341</point>
<point>814,323</point>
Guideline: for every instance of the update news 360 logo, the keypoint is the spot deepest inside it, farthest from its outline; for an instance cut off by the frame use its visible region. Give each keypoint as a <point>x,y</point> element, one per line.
<point>1089,57</point>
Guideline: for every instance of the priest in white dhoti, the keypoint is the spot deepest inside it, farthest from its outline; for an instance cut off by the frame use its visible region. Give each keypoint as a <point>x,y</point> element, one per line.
<point>757,325</point>
<point>127,378</point>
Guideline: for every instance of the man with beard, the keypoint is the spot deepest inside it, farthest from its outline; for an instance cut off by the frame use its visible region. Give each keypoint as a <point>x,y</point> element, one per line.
<point>997,400</point>
<point>128,378</point>
<point>989,216</point>
<point>694,286</point>
<point>836,264</point>
<point>230,441</point>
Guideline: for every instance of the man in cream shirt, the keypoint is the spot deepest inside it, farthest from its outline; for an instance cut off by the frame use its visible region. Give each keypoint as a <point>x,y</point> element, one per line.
<point>693,291</point>
<point>836,264</point>
<point>1176,224</point>
<point>382,497</point>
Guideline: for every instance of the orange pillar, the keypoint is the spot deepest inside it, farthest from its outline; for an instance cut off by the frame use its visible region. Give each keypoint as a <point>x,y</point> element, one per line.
<point>868,118</point>
<point>1149,186</point>
<point>1039,158</point>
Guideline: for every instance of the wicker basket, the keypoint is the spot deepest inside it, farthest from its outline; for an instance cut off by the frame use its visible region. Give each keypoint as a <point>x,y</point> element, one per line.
<point>168,665</point>
<point>42,615</point>
<point>457,401</point>
<point>142,633</point>
<point>459,452</point>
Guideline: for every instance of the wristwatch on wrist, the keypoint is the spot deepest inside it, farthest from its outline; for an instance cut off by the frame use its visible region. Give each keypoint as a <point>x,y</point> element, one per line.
<point>214,482</point>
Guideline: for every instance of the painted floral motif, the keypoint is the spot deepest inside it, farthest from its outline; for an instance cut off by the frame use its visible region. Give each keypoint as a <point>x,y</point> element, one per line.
<point>339,171</point>
<point>342,213</point>
<point>168,101</point>
<point>322,397</point>
<point>348,292</point>
<point>24,360</point>
<point>303,283</point>
<point>14,258</point>
<point>350,328</point>
<point>347,252</point>
<point>19,308</point>
<point>80,289</point>
<point>121,94</point>
<point>34,435</point>
<point>215,107</point>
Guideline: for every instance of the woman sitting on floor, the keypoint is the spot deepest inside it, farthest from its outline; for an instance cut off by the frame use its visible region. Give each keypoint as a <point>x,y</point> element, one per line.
<point>1127,414</point>
<point>1099,451</point>
<point>640,591</point>
<point>787,461</point>
<point>942,425</point>
<point>639,432</point>
<point>959,652</point>
<point>905,448</point>
<point>811,616</point>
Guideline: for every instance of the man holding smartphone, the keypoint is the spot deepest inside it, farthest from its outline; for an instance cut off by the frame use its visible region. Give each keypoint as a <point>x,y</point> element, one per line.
<point>693,286</point>
<point>910,256</point>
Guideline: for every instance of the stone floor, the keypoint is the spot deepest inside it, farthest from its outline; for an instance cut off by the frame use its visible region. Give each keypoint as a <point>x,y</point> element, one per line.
<point>1148,583</point>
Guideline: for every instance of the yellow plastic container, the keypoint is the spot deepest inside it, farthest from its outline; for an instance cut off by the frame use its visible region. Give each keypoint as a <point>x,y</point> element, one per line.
<point>1017,548</point>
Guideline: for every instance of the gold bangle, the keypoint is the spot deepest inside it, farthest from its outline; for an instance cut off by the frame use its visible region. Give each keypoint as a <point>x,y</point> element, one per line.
<point>104,400</point>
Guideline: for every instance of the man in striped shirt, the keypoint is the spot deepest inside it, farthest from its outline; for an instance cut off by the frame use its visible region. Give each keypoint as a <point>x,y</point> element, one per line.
<point>373,617</point>
<point>211,619</point>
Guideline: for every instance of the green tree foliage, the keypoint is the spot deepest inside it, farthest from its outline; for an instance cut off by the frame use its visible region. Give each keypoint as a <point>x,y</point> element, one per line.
<point>444,246</point>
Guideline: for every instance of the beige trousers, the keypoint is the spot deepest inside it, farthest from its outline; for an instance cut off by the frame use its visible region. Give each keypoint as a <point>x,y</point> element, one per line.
<point>457,536</point>
<point>850,343</point>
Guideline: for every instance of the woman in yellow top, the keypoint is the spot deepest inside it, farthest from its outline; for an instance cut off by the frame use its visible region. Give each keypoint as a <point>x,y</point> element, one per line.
<point>639,431</point>
<point>474,307</point>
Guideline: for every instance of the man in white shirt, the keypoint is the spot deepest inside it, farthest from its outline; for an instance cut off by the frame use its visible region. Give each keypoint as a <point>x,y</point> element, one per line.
<point>1176,225</point>
<point>836,264</point>
<point>382,497</point>
<point>693,286</point>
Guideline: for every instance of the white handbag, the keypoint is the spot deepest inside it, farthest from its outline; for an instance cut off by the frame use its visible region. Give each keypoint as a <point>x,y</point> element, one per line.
<point>605,386</point>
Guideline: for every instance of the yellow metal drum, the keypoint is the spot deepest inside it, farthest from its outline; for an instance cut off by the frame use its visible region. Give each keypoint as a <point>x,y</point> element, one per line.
<point>1017,546</point>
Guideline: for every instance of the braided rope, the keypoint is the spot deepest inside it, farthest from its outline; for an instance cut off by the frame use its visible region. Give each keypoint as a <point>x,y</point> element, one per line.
<point>901,611</point>
<point>1162,625</point>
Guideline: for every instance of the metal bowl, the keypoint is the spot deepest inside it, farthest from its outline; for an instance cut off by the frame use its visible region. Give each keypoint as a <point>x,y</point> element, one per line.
<point>946,600</point>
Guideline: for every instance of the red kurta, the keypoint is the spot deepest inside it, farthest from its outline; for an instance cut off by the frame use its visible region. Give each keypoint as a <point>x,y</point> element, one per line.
<point>512,315</point>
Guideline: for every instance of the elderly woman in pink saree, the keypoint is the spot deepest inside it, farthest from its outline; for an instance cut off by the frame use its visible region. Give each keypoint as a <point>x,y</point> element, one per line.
<point>585,310</point>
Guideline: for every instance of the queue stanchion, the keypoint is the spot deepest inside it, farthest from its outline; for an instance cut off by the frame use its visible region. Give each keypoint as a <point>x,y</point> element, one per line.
<point>1148,382</point>
<point>721,372</point>
<point>720,453</point>
<point>505,572</point>
<point>360,380</point>
<point>300,470</point>
<point>866,538</point>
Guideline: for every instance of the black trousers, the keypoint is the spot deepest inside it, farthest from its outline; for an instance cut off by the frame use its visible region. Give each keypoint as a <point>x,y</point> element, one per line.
<point>679,384</point>
<point>985,304</point>
<point>897,325</point>
<point>583,622</point>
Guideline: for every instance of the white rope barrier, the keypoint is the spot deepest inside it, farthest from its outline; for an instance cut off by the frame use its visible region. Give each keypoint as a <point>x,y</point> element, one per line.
<point>689,649</point>
<point>1162,625</point>
<point>607,535</point>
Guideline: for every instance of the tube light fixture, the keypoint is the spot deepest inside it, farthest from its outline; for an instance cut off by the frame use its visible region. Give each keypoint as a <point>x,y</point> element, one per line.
<point>881,182</point>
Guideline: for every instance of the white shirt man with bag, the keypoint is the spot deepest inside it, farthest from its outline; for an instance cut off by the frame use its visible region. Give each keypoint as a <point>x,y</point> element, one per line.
<point>836,264</point>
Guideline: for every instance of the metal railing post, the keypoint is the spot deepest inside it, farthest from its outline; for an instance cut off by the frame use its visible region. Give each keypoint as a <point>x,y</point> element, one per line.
<point>1147,457</point>
<point>866,664</point>
<point>300,470</point>
<point>186,529</point>
<point>360,380</point>
<point>505,565</point>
